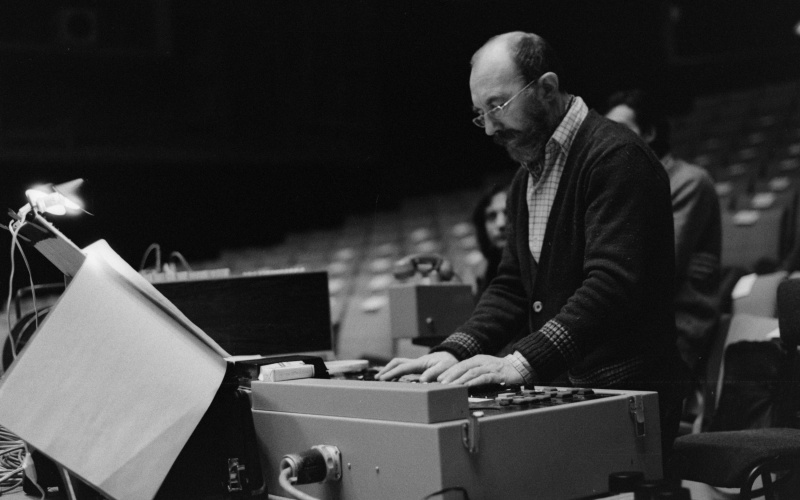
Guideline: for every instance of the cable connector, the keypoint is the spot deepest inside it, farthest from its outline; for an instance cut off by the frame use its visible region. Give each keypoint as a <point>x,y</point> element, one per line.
<point>320,463</point>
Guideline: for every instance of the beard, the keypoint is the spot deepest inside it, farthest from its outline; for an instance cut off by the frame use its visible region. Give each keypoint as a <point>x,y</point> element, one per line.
<point>527,146</point>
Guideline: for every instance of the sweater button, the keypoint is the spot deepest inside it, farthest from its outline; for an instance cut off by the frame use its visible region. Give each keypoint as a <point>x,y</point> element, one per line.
<point>537,306</point>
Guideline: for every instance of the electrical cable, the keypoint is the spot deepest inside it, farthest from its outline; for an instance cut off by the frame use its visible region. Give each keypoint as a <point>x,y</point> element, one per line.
<point>11,228</point>
<point>179,257</point>
<point>14,228</point>
<point>12,461</point>
<point>286,484</point>
<point>157,248</point>
<point>30,277</point>
<point>35,483</point>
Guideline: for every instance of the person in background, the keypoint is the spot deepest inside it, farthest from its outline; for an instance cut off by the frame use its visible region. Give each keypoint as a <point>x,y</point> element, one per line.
<point>697,226</point>
<point>489,219</point>
<point>588,270</point>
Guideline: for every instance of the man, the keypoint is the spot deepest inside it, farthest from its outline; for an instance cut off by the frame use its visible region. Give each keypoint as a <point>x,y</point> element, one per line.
<point>588,265</point>
<point>698,228</point>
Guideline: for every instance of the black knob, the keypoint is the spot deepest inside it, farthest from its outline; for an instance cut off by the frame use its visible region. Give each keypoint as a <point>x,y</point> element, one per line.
<point>647,490</point>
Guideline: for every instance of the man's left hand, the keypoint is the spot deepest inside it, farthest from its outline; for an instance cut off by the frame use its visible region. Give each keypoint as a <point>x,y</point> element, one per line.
<point>480,370</point>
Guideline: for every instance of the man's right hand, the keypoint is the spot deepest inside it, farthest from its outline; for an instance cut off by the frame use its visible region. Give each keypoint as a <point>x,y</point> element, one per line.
<point>429,365</point>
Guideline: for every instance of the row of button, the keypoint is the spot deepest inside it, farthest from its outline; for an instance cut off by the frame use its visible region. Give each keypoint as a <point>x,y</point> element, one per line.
<point>528,396</point>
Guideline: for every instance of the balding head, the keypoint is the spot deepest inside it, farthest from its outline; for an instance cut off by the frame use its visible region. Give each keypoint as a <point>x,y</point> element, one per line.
<point>504,43</point>
<point>493,65</point>
<point>529,55</point>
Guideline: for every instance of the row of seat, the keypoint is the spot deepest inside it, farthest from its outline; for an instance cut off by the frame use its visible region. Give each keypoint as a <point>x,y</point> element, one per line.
<point>751,126</point>
<point>749,141</point>
<point>359,257</point>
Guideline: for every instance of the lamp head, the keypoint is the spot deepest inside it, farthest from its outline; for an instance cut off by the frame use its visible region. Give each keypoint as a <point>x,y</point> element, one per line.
<point>53,199</point>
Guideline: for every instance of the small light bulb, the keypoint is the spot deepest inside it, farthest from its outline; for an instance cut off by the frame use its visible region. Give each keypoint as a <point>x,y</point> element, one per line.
<point>52,203</point>
<point>69,203</point>
<point>56,209</point>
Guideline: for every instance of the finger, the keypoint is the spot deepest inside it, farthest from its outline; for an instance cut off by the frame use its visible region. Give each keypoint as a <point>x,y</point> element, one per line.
<point>456,371</point>
<point>391,364</point>
<point>483,371</point>
<point>471,374</point>
<point>432,373</point>
<point>404,367</point>
<point>483,379</point>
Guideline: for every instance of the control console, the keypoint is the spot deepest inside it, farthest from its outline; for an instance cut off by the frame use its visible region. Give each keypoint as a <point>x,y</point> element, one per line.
<point>408,440</point>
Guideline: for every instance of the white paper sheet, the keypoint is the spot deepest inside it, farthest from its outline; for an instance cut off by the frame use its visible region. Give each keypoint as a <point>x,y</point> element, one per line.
<point>113,383</point>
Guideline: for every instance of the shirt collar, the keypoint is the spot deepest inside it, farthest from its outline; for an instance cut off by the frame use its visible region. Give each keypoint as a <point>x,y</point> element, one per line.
<point>563,135</point>
<point>668,161</point>
<point>568,128</point>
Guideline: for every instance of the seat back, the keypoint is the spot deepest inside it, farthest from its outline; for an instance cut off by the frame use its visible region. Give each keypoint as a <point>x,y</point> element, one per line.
<point>757,381</point>
<point>735,328</point>
<point>789,312</point>
<point>789,321</point>
<point>752,390</point>
<point>752,235</point>
<point>756,295</point>
<point>767,195</point>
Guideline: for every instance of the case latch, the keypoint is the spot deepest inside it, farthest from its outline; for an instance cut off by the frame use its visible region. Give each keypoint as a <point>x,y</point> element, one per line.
<point>234,475</point>
<point>636,408</point>
<point>470,432</point>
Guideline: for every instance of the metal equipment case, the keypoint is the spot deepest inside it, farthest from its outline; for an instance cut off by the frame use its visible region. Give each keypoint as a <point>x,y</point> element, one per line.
<point>406,441</point>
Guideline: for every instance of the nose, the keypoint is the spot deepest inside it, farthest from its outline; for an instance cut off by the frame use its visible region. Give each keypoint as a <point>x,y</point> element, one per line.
<point>501,221</point>
<point>490,128</point>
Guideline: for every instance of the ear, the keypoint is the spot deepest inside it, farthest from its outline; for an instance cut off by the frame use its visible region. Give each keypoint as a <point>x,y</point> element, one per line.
<point>548,83</point>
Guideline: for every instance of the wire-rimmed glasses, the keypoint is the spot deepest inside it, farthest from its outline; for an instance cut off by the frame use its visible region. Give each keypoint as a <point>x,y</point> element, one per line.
<point>480,120</point>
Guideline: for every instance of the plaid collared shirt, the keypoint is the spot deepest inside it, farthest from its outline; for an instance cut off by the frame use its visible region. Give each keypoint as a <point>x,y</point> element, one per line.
<point>541,191</point>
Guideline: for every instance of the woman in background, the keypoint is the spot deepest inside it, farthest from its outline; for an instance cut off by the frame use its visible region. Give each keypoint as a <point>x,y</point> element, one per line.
<point>489,219</point>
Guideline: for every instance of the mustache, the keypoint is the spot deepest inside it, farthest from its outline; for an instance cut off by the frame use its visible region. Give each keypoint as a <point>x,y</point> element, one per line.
<point>505,137</point>
<point>522,146</point>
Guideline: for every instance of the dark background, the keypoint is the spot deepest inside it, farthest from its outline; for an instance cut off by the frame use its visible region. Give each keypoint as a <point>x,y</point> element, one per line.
<point>204,125</point>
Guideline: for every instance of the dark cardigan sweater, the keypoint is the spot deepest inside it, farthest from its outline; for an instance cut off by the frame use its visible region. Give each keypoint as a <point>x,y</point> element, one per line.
<point>605,274</point>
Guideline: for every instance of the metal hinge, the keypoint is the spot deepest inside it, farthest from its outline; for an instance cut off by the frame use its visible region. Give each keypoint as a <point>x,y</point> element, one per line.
<point>636,409</point>
<point>469,432</point>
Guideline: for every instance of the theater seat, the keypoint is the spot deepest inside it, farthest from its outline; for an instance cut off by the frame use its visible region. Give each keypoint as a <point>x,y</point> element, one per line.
<point>750,236</point>
<point>737,459</point>
<point>732,329</point>
<point>759,296</point>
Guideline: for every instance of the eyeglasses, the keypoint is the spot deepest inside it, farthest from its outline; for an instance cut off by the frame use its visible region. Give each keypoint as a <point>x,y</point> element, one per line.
<point>480,120</point>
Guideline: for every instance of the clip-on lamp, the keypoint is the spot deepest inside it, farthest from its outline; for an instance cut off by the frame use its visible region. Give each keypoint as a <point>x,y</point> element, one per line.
<point>31,226</point>
<point>52,199</point>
